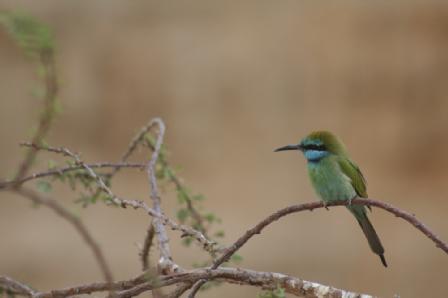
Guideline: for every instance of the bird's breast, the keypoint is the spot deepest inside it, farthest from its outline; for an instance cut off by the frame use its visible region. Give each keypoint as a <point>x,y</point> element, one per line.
<point>329,181</point>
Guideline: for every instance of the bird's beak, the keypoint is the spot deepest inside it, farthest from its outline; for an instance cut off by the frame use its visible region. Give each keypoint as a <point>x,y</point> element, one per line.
<point>289,147</point>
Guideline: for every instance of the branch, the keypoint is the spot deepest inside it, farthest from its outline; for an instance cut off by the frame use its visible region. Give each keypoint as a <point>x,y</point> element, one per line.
<point>265,280</point>
<point>240,276</point>
<point>199,221</point>
<point>51,90</point>
<point>16,287</point>
<point>165,261</point>
<point>60,171</point>
<point>79,226</point>
<point>315,205</point>
<point>138,139</point>
<point>146,247</point>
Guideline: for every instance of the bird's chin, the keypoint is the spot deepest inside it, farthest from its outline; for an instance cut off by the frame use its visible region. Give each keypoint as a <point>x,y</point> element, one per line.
<point>315,155</point>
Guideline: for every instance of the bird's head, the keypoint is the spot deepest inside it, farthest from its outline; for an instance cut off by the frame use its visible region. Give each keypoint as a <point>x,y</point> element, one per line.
<point>317,145</point>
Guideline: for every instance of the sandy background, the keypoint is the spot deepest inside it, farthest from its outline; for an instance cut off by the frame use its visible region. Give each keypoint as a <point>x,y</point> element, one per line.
<point>234,80</point>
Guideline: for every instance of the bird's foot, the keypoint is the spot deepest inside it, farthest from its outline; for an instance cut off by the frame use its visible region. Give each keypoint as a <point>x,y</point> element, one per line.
<point>326,207</point>
<point>350,201</point>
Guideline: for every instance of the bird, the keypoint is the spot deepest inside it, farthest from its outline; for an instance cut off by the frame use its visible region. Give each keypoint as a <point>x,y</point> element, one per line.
<point>335,176</point>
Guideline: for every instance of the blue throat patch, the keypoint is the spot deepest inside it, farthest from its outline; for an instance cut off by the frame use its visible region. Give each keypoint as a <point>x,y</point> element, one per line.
<point>315,155</point>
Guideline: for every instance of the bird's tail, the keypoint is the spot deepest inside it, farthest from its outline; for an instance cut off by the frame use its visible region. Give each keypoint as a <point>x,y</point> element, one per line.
<point>370,233</point>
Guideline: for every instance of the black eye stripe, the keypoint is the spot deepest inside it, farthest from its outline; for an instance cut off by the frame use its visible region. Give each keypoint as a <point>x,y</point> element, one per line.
<point>315,147</point>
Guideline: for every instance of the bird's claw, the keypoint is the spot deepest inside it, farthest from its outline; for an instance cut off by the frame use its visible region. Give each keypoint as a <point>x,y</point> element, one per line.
<point>326,207</point>
<point>350,201</point>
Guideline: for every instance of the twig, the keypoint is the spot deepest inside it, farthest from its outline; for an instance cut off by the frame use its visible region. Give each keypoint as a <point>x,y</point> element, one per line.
<point>51,90</point>
<point>62,170</point>
<point>199,221</point>
<point>79,226</point>
<point>66,152</point>
<point>165,263</point>
<point>315,205</point>
<point>146,247</point>
<point>16,287</point>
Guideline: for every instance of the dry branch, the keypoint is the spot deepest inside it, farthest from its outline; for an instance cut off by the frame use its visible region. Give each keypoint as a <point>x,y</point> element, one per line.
<point>144,254</point>
<point>165,262</point>
<point>240,276</point>
<point>62,170</point>
<point>16,287</point>
<point>315,205</point>
<point>197,217</point>
<point>51,90</point>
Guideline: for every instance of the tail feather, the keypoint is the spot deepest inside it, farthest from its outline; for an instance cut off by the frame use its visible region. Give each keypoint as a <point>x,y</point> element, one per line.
<point>372,237</point>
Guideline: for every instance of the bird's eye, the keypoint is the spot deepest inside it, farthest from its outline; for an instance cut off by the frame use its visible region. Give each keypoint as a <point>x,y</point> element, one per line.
<point>320,147</point>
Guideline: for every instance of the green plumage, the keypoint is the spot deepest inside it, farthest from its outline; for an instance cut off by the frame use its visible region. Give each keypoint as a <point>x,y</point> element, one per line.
<point>335,177</point>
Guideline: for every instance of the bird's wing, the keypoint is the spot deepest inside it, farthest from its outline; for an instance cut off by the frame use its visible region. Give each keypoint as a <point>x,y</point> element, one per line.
<point>351,170</point>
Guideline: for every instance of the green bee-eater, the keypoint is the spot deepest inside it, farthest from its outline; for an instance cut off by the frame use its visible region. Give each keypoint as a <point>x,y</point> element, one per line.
<point>335,177</point>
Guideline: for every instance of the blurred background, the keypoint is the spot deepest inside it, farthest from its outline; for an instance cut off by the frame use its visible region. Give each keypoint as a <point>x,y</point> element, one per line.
<point>233,80</point>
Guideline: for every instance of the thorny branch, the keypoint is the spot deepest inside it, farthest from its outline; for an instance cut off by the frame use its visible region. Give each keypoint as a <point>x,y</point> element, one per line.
<point>310,207</point>
<point>51,90</point>
<point>199,221</point>
<point>63,170</point>
<point>140,138</point>
<point>16,287</point>
<point>144,254</point>
<point>165,263</point>
<point>240,276</point>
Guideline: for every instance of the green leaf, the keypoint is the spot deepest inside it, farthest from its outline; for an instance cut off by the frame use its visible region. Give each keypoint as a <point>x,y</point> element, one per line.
<point>187,241</point>
<point>60,176</point>
<point>182,195</point>
<point>279,292</point>
<point>210,217</point>
<point>43,186</point>
<point>71,181</point>
<point>236,258</point>
<point>198,197</point>
<point>52,164</point>
<point>33,36</point>
<point>182,215</point>
<point>219,234</point>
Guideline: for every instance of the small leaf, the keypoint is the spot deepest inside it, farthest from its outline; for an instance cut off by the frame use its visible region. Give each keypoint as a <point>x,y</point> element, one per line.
<point>219,234</point>
<point>198,197</point>
<point>210,217</point>
<point>279,292</point>
<point>236,258</point>
<point>187,241</point>
<point>52,164</point>
<point>182,195</point>
<point>182,215</point>
<point>60,176</point>
<point>71,181</point>
<point>44,186</point>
